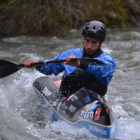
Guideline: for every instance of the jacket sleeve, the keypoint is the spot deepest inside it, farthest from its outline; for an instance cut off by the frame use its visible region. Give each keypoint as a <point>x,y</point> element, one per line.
<point>103,73</point>
<point>58,68</point>
<point>51,68</point>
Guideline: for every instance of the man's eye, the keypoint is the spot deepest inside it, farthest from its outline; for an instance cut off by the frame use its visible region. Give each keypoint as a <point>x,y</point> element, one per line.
<point>87,40</point>
<point>94,42</point>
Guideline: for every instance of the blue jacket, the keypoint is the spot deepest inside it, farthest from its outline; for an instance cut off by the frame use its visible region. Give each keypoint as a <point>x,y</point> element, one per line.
<point>102,73</point>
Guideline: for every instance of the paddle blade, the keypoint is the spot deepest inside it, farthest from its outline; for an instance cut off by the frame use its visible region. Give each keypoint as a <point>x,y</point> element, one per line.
<point>8,67</point>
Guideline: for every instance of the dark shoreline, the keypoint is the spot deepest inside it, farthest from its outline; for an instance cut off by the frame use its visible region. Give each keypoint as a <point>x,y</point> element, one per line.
<point>49,18</point>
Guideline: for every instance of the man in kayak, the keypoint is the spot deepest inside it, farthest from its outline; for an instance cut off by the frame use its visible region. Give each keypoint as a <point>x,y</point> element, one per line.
<point>81,74</point>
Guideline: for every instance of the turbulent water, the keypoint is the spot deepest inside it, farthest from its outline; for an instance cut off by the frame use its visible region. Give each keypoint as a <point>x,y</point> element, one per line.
<point>24,118</point>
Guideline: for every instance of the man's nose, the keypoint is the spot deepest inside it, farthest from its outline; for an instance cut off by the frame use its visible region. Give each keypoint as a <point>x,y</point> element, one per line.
<point>89,45</point>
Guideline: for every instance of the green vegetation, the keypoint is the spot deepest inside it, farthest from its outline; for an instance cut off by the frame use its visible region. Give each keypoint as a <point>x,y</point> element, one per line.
<point>50,17</point>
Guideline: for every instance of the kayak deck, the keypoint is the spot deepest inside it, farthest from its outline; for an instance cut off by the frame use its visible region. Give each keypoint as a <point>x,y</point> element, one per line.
<point>82,109</point>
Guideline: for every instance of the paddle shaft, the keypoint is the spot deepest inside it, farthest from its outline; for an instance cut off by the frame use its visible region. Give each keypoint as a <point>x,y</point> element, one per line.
<point>48,62</point>
<point>8,67</point>
<point>86,60</point>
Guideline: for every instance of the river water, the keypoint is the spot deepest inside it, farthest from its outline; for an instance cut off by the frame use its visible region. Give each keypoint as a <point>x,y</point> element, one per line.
<point>24,118</point>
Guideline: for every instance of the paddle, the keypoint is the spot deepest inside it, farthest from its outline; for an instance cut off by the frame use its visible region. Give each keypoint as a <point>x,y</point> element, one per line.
<point>8,67</point>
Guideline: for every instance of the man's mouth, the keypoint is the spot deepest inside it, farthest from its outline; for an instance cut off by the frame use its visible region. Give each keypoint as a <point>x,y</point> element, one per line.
<point>90,51</point>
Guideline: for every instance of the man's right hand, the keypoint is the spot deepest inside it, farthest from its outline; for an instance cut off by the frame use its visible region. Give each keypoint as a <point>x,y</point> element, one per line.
<point>29,61</point>
<point>68,61</point>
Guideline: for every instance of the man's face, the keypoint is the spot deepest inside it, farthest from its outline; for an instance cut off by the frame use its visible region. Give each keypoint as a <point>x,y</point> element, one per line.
<point>91,45</point>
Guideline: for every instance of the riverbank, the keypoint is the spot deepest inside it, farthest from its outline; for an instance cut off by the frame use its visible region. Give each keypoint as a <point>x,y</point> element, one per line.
<point>49,18</point>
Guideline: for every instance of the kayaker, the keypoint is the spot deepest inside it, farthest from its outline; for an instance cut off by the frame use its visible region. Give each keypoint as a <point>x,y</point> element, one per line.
<point>80,74</point>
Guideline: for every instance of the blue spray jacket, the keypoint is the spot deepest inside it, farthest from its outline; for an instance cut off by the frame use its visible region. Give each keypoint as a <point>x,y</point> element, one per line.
<point>103,73</point>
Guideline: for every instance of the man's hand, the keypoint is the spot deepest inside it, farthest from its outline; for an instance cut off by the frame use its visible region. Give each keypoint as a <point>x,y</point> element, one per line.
<point>29,61</point>
<point>69,62</point>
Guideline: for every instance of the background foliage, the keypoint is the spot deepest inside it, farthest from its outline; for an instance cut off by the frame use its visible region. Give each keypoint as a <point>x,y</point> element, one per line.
<point>51,17</point>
